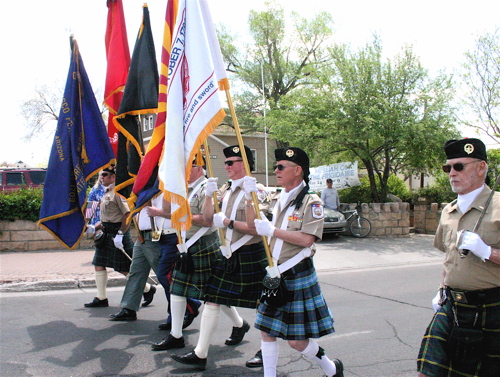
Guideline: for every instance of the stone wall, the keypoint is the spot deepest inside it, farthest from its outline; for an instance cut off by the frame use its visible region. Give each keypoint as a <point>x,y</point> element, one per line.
<point>426,217</point>
<point>21,235</point>
<point>387,219</point>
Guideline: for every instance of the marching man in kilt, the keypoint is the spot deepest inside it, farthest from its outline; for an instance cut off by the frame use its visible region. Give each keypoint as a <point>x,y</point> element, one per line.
<point>236,279</point>
<point>297,222</point>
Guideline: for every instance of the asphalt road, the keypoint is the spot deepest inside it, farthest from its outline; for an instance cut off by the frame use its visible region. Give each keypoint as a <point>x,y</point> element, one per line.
<point>379,291</point>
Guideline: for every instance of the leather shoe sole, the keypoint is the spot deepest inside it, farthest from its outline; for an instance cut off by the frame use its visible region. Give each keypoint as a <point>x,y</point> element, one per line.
<point>168,343</point>
<point>237,334</point>
<point>148,296</point>
<point>124,315</point>
<point>256,361</point>
<point>340,368</point>
<point>191,359</point>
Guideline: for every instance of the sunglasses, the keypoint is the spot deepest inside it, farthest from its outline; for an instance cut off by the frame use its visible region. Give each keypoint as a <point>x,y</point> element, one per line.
<point>280,167</point>
<point>458,166</point>
<point>104,174</point>
<point>230,162</point>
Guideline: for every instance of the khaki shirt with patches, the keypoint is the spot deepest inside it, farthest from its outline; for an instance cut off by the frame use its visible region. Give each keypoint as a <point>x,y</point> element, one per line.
<point>113,207</point>
<point>263,198</point>
<point>470,273</point>
<point>307,219</point>
<point>196,205</point>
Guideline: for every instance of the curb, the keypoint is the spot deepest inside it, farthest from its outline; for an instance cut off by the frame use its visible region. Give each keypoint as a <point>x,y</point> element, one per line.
<point>59,284</point>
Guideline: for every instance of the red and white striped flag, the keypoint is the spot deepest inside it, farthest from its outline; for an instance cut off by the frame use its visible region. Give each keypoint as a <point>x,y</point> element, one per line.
<point>91,209</point>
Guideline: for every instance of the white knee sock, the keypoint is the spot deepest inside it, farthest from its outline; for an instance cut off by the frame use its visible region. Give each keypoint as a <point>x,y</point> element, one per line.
<point>101,280</point>
<point>177,310</point>
<point>270,353</point>
<point>147,287</point>
<point>316,354</point>
<point>209,322</point>
<point>233,315</point>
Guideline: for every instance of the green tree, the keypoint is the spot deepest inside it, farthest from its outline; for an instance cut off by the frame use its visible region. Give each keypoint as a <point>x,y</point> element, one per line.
<point>481,77</point>
<point>280,59</point>
<point>493,165</point>
<point>387,114</point>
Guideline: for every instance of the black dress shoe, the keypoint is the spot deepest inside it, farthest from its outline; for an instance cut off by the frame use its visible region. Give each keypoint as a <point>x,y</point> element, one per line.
<point>340,368</point>
<point>165,326</point>
<point>238,334</point>
<point>168,343</point>
<point>148,296</point>
<point>124,315</point>
<point>189,318</point>
<point>191,359</point>
<point>97,303</point>
<point>256,361</point>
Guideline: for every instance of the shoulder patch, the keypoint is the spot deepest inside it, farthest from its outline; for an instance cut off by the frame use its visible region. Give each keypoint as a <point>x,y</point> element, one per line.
<point>317,211</point>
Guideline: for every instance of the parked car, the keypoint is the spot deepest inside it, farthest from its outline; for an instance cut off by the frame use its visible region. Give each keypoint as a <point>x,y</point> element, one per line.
<point>334,221</point>
<point>12,179</point>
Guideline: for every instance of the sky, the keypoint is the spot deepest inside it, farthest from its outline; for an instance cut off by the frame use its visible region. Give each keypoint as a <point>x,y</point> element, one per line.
<point>35,51</point>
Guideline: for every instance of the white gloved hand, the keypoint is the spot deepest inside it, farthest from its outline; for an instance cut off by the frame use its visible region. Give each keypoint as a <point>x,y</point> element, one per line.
<point>118,241</point>
<point>435,300</point>
<point>219,218</point>
<point>90,229</point>
<point>211,186</point>
<point>273,271</point>
<point>264,227</point>
<point>249,186</point>
<point>473,242</point>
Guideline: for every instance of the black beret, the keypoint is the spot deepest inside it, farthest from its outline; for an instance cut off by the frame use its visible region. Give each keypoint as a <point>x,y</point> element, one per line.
<point>110,169</point>
<point>296,155</point>
<point>473,148</point>
<point>234,151</point>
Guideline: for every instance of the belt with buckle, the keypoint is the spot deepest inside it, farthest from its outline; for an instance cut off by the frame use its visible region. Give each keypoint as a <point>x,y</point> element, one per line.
<point>476,297</point>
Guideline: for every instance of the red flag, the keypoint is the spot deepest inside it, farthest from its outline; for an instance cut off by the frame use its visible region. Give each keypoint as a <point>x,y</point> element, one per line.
<point>147,171</point>
<point>118,57</point>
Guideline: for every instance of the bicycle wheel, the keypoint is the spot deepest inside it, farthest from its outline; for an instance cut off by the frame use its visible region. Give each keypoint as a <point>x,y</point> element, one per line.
<point>360,227</point>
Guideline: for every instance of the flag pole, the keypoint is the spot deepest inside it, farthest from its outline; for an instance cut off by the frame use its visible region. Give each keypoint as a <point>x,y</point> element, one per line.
<point>248,172</point>
<point>222,233</point>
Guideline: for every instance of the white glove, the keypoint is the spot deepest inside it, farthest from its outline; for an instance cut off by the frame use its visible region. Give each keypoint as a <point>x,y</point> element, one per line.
<point>118,241</point>
<point>211,186</point>
<point>90,229</point>
<point>273,271</point>
<point>264,227</point>
<point>249,186</point>
<point>219,218</point>
<point>471,241</point>
<point>435,300</point>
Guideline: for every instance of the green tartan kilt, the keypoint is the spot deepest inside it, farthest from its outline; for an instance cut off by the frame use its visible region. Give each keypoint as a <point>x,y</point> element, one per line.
<point>243,287</point>
<point>203,253</point>
<point>432,359</point>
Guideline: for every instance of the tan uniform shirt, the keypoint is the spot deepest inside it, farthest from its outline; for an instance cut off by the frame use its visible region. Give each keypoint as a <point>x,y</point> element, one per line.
<point>240,212</point>
<point>196,205</point>
<point>308,219</point>
<point>113,207</point>
<point>470,273</point>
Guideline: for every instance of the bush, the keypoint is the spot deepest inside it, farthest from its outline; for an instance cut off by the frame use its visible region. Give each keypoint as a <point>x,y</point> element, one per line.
<point>362,193</point>
<point>23,204</point>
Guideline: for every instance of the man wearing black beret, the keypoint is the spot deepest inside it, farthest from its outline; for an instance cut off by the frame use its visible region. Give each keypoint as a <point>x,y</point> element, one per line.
<point>463,338</point>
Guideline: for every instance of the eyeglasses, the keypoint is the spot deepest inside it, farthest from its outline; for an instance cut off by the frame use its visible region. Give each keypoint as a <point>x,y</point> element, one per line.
<point>280,167</point>
<point>231,162</point>
<point>104,174</point>
<point>458,166</point>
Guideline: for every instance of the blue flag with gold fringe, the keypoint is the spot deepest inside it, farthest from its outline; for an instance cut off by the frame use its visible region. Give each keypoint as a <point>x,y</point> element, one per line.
<point>80,149</point>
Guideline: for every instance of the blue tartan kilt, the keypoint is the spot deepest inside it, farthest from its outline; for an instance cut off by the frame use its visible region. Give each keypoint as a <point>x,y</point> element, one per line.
<point>203,254</point>
<point>242,287</point>
<point>432,359</point>
<point>107,255</point>
<point>306,316</point>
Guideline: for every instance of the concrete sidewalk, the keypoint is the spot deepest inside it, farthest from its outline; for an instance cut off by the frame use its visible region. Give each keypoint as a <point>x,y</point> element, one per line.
<point>51,270</point>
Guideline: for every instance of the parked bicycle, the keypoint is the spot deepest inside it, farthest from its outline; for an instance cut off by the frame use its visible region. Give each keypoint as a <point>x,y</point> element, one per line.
<point>359,226</point>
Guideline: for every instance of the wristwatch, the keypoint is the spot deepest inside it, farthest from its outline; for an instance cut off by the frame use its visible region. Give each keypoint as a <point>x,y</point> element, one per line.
<point>231,224</point>
<point>120,233</point>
